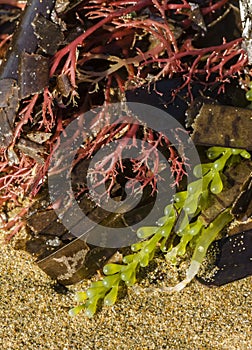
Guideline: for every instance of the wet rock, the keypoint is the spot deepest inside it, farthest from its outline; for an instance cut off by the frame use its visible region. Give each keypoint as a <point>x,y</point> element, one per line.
<point>228,259</point>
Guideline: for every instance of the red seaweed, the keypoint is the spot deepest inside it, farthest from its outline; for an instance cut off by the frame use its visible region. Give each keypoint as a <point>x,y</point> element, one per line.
<point>114,47</point>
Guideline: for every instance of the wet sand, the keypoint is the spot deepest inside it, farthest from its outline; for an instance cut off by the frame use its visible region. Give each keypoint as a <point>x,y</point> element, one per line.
<point>34,316</point>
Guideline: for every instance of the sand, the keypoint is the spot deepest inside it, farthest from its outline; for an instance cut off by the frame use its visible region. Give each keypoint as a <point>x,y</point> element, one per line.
<point>34,316</point>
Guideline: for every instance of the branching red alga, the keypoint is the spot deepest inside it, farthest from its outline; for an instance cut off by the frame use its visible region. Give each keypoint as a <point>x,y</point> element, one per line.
<point>122,45</point>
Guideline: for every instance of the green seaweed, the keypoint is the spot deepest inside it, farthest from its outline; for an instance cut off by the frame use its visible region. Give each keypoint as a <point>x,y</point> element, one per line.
<point>249,95</point>
<point>181,219</point>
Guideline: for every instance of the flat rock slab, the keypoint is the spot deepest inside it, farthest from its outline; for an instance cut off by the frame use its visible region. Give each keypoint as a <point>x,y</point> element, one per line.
<point>75,262</point>
<point>223,126</point>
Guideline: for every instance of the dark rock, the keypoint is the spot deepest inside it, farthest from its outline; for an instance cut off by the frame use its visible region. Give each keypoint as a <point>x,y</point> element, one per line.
<point>229,259</point>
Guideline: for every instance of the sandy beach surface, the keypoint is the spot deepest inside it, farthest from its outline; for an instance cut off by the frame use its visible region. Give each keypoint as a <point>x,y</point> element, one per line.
<point>34,316</point>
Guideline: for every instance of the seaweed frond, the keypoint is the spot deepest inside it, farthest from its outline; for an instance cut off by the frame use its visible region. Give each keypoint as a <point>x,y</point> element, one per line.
<point>181,219</point>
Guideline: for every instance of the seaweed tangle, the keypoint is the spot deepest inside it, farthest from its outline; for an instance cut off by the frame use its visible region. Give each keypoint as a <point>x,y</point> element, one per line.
<point>181,220</point>
<point>104,49</point>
